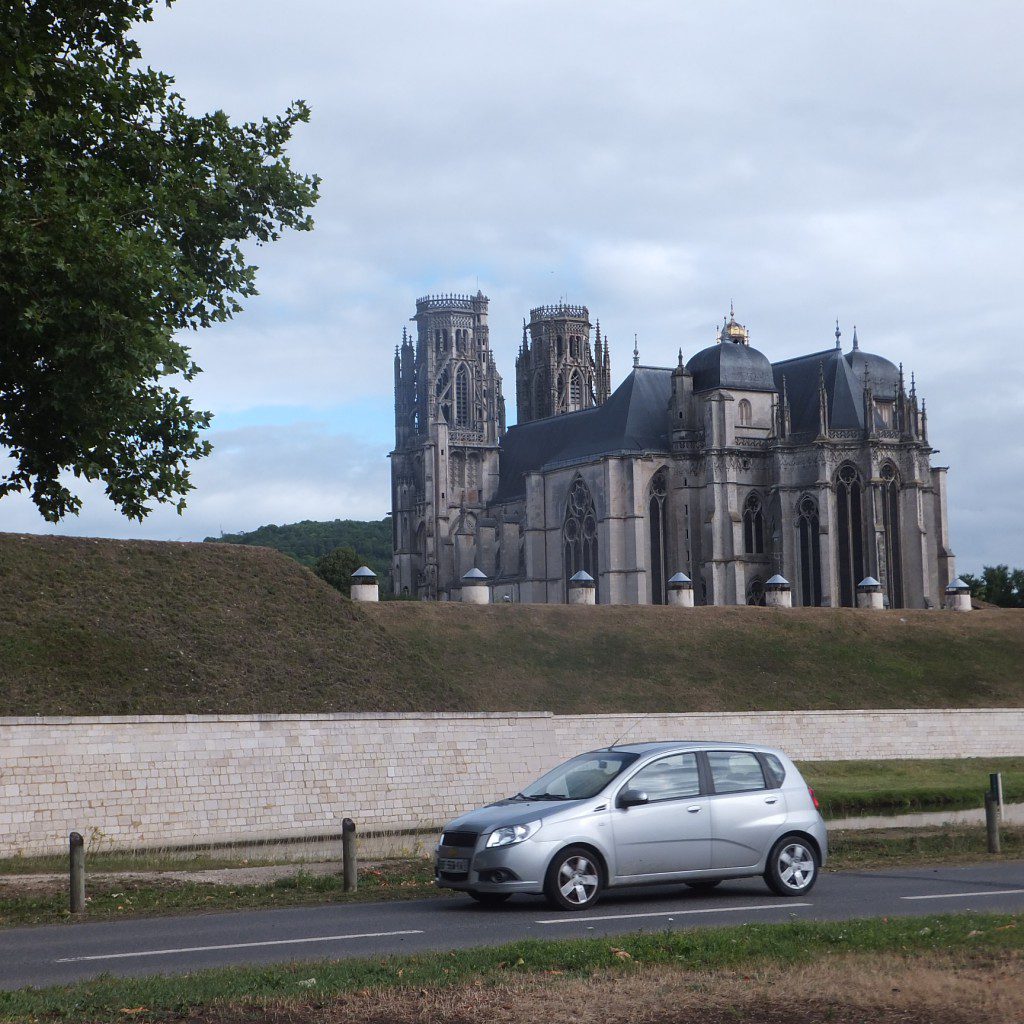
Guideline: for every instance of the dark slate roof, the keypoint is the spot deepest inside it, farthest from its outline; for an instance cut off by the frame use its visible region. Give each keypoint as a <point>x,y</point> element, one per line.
<point>633,420</point>
<point>731,365</point>
<point>843,391</point>
<point>883,375</point>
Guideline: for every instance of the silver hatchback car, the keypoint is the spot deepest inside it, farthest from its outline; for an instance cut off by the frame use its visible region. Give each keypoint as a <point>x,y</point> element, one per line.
<point>641,814</point>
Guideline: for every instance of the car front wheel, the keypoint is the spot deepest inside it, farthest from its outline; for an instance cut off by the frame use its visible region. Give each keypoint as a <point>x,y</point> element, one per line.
<point>573,880</point>
<point>792,867</point>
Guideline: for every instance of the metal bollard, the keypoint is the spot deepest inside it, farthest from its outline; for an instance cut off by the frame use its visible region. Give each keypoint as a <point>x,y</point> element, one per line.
<point>77,858</point>
<point>992,822</point>
<point>350,868</point>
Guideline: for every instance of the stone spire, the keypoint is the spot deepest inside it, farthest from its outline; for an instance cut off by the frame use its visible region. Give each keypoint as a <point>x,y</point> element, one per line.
<point>636,351</point>
<point>839,334</point>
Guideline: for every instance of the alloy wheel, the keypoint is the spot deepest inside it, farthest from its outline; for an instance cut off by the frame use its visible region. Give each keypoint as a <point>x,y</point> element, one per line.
<point>578,879</point>
<point>796,866</point>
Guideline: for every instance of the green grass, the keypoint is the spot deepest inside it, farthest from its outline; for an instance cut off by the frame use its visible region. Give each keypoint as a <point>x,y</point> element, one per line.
<point>131,627</point>
<point>868,849</point>
<point>857,787</point>
<point>159,998</point>
<point>111,899</point>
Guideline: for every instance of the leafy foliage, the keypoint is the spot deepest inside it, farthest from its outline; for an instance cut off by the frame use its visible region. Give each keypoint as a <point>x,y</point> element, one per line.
<point>121,223</point>
<point>309,541</point>
<point>336,568</point>
<point>999,585</point>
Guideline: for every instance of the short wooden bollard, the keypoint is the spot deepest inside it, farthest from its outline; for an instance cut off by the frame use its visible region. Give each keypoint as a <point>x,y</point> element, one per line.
<point>349,865</point>
<point>77,858</point>
<point>992,822</point>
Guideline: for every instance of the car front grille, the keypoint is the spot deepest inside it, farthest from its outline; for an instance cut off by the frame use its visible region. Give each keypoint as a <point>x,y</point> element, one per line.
<point>466,840</point>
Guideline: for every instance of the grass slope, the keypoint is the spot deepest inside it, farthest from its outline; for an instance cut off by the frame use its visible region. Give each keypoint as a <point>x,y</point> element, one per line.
<point>119,627</point>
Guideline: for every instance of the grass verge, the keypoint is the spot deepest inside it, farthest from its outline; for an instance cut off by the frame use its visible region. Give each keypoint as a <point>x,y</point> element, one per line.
<point>262,989</point>
<point>858,787</point>
<point>112,898</point>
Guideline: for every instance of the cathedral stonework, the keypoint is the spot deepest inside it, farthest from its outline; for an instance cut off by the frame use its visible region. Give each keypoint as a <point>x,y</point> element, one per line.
<point>727,467</point>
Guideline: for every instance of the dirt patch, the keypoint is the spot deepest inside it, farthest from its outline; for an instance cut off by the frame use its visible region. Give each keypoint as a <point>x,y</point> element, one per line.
<point>840,990</point>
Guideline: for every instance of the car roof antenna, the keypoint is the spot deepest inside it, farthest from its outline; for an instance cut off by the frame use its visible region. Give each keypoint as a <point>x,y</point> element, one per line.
<point>632,726</point>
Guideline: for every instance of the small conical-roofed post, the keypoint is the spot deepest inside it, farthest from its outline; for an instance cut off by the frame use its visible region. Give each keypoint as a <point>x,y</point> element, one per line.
<point>869,594</point>
<point>958,596</point>
<point>680,590</point>
<point>582,588</point>
<point>777,592</point>
<point>475,588</point>
<point>364,585</point>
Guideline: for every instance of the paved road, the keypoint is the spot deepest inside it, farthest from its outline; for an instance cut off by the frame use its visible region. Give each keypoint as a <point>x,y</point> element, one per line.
<point>62,953</point>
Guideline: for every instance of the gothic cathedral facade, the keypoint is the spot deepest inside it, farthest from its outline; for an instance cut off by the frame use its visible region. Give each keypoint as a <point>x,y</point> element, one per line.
<point>726,467</point>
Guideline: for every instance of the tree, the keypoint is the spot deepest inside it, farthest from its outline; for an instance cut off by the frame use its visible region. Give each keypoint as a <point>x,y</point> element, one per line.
<point>121,224</point>
<point>999,585</point>
<point>336,568</point>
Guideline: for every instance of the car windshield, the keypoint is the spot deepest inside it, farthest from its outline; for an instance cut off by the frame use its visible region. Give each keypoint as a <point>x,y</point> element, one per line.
<point>581,778</point>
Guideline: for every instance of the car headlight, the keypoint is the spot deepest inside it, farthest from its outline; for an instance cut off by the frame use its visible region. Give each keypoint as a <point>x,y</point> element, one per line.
<point>512,834</point>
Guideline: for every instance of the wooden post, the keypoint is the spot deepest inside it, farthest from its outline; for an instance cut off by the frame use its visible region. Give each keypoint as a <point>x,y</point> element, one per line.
<point>77,859</point>
<point>992,822</point>
<point>350,869</point>
<point>995,782</point>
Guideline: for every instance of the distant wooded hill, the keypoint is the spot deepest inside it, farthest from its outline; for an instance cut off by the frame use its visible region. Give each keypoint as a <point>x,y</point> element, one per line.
<point>308,540</point>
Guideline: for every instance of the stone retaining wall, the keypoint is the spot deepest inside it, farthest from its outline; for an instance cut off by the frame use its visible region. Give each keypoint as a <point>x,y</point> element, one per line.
<point>145,781</point>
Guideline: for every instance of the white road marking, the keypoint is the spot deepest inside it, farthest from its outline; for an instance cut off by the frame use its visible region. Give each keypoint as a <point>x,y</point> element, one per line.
<point>233,945</point>
<point>670,913</point>
<point>957,895</point>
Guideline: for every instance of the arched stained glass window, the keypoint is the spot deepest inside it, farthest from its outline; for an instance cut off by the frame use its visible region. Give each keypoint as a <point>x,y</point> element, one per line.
<point>745,413</point>
<point>809,532</point>
<point>462,396</point>
<point>753,526</point>
<point>579,534</point>
<point>659,535</point>
<point>849,534</point>
<point>891,523</point>
<point>443,390</point>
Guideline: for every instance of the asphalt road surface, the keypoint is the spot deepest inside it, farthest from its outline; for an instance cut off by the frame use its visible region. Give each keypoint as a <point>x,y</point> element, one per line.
<point>57,954</point>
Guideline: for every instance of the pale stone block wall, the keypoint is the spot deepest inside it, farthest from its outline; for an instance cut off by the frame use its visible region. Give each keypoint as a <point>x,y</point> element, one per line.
<point>143,781</point>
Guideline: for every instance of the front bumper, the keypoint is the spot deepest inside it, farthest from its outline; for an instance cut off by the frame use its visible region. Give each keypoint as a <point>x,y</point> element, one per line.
<point>524,862</point>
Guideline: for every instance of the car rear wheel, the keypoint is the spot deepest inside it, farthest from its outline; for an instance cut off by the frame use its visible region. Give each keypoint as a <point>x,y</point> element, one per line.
<point>573,880</point>
<point>490,899</point>
<point>792,867</point>
<point>704,884</point>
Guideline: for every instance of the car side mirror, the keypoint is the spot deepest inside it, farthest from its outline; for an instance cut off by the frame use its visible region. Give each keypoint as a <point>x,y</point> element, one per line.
<point>632,798</point>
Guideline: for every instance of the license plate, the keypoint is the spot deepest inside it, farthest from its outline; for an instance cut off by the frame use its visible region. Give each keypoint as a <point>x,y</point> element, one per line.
<point>453,864</point>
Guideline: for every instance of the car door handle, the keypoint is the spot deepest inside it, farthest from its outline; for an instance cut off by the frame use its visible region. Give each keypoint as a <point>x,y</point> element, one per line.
<point>693,808</point>
<point>771,799</point>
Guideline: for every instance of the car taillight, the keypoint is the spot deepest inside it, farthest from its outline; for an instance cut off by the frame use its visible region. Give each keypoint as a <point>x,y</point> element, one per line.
<point>814,799</point>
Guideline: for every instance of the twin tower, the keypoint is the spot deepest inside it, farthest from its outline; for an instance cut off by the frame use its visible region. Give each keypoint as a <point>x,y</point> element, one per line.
<point>450,418</point>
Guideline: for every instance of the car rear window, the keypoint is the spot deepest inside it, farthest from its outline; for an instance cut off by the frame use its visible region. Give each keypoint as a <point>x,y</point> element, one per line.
<point>734,771</point>
<point>775,769</point>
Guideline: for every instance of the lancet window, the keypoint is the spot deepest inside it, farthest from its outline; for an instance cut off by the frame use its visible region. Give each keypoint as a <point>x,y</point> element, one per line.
<point>809,535</point>
<point>579,533</point>
<point>890,492</point>
<point>849,533</point>
<point>753,525</point>
<point>657,499</point>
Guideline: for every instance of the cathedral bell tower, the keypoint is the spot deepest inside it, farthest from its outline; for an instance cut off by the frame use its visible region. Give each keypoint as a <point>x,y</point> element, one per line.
<point>556,369</point>
<point>449,421</point>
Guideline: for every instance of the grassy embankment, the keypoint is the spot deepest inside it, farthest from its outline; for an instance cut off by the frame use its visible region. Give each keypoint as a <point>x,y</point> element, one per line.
<point>670,973</point>
<point>118,627</point>
<point>116,897</point>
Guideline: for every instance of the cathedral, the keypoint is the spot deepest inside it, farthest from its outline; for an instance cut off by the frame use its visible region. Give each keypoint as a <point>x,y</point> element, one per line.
<point>726,467</point>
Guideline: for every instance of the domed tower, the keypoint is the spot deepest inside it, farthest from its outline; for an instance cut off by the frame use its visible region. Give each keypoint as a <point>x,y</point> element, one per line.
<point>556,369</point>
<point>449,421</point>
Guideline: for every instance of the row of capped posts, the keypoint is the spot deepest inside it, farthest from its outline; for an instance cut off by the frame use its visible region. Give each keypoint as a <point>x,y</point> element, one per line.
<point>583,590</point>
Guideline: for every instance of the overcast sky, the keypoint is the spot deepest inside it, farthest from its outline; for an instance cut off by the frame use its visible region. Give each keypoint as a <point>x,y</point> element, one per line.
<point>652,160</point>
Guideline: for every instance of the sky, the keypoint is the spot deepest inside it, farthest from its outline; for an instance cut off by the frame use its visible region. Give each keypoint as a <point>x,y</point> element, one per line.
<point>653,160</point>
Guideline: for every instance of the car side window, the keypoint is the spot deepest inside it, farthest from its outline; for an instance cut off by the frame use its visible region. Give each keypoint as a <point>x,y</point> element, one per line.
<point>735,771</point>
<point>668,778</point>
